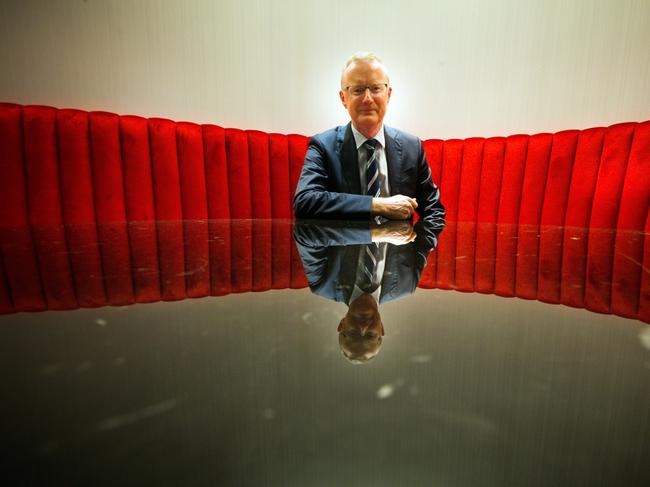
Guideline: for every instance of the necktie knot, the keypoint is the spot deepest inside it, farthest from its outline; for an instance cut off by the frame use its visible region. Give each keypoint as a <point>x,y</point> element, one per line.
<point>371,144</point>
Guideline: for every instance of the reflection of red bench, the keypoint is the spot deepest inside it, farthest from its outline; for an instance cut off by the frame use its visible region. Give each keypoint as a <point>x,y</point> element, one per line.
<point>69,167</point>
<point>64,267</point>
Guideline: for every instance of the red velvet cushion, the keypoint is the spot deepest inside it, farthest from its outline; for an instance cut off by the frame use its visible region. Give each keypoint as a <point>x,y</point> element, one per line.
<point>216,172</point>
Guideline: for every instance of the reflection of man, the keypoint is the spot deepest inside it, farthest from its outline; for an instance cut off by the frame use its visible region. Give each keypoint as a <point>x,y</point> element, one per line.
<point>366,169</point>
<point>363,266</point>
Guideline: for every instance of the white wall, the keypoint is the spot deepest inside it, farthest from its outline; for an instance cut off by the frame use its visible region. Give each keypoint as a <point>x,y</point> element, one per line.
<point>459,68</point>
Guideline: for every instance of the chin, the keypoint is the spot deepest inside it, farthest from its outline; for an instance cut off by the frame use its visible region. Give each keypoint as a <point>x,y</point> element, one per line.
<point>368,122</point>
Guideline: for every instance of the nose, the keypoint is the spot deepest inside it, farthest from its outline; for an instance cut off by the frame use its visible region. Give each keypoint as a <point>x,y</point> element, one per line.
<point>363,330</point>
<point>367,96</point>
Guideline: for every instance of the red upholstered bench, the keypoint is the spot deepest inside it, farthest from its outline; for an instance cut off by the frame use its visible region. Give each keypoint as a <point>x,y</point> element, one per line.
<point>71,166</point>
<point>552,212</point>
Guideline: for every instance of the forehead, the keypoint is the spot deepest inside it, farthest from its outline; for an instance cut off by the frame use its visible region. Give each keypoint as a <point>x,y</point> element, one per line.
<point>364,72</point>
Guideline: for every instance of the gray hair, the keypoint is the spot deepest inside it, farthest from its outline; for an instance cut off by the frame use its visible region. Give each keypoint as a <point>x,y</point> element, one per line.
<point>363,57</point>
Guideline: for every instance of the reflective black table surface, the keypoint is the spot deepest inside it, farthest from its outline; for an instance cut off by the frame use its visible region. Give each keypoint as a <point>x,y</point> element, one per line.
<point>236,372</point>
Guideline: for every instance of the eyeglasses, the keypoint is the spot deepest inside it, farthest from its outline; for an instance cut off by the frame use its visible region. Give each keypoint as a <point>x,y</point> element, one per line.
<point>360,90</point>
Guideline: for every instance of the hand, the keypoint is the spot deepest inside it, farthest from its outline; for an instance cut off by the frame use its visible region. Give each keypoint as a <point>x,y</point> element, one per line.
<point>394,232</point>
<point>398,207</point>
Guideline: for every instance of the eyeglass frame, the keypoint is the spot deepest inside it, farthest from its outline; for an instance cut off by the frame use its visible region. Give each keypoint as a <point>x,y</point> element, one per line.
<point>365,88</point>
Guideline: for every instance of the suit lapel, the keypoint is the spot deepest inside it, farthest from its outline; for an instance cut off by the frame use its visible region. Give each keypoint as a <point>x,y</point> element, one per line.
<point>348,272</point>
<point>349,157</point>
<point>393,159</point>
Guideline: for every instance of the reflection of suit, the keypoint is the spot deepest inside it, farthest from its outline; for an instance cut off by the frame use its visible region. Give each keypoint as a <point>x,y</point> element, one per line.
<point>329,185</point>
<point>330,255</point>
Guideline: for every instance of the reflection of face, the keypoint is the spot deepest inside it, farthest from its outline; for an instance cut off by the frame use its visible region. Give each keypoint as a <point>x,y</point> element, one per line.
<point>366,111</point>
<point>361,329</point>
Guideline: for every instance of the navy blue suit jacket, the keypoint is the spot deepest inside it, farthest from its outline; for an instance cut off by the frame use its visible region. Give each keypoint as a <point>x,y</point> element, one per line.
<point>329,185</point>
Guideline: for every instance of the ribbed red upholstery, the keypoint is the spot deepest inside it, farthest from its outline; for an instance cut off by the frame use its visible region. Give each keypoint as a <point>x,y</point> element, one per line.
<point>20,284</point>
<point>260,182</point>
<point>218,196</point>
<point>44,203</point>
<point>545,217</point>
<point>195,208</point>
<point>629,252</point>
<point>139,202</point>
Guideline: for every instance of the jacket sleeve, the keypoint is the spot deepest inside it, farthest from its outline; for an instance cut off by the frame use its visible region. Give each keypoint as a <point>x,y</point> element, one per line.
<point>319,233</point>
<point>313,198</point>
<point>430,208</point>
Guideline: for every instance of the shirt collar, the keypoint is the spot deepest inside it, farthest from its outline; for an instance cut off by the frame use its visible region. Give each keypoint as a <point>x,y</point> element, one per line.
<point>357,291</point>
<point>359,138</point>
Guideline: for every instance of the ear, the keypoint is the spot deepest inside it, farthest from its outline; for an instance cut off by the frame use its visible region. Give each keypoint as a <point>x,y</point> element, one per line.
<point>340,325</point>
<point>382,329</point>
<point>390,90</point>
<point>342,97</point>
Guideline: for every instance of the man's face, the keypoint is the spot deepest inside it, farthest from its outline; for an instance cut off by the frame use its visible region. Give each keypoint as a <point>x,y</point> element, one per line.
<point>366,110</point>
<point>362,318</point>
<point>361,329</point>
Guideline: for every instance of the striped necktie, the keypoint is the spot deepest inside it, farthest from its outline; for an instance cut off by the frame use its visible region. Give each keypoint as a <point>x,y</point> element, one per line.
<point>368,280</point>
<point>371,250</point>
<point>372,168</point>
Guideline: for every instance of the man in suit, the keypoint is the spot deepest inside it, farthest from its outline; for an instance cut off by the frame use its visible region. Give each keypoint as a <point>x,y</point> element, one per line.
<point>365,169</point>
<point>363,265</point>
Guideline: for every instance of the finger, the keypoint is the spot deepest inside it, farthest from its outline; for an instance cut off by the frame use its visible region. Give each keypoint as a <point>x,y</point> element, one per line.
<point>410,202</point>
<point>414,202</point>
